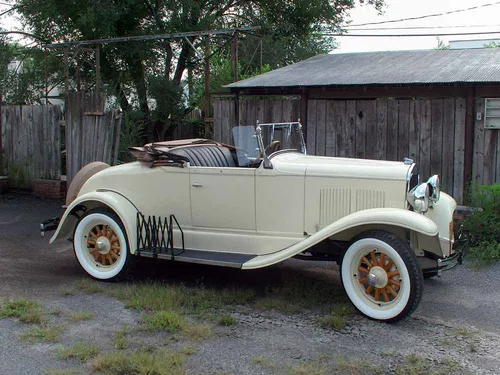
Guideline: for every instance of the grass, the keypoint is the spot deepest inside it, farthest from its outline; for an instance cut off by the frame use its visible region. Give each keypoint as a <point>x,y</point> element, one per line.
<point>463,332</point>
<point>61,372</point>
<point>140,362</point>
<point>227,320</point>
<point>120,340</point>
<point>168,320</point>
<point>198,331</point>
<point>42,333</point>
<point>264,363</point>
<point>81,315</point>
<point>81,351</point>
<point>29,312</point>
<point>189,350</point>
<point>337,319</point>
<point>356,366</point>
<point>88,286</point>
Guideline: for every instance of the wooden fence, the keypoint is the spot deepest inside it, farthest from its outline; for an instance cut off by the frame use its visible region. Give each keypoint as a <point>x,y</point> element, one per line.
<point>92,134</point>
<point>31,144</point>
<point>431,132</point>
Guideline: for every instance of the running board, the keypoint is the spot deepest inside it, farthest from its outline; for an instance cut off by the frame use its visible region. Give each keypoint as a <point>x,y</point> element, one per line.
<point>200,257</point>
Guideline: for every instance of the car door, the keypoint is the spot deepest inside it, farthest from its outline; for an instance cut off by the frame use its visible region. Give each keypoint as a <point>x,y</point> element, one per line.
<point>223,198</point>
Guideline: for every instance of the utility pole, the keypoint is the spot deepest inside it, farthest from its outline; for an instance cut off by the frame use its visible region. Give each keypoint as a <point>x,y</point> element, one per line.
<point>234,55</point>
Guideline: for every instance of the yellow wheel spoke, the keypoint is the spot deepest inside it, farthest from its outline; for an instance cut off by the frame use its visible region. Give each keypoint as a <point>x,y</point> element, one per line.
<point>108,257</point>
<point>377,294</point>
<point>115,247</point>
<point>388,266</point>
<point>104,231</point>
<point>97,255</point>
<point>395,283</point>
<point>113,254</point>
<point>367,262</point>
<point>91,242</point>
<point>374,258</point>
<point>92,251</point>
<point>369,289</point>
<point>392,291</point>
<point>384,295</point>
<point>363,280</point>
<point>392,274</point>
<point>110,234</point>
<point>362,269</point>
<point>93,235</point>
<point>381,262</point>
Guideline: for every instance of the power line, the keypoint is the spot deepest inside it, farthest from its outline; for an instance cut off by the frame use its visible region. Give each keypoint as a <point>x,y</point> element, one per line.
<point>409,35</point>
<point>419,27</point>
<point>428,15</point>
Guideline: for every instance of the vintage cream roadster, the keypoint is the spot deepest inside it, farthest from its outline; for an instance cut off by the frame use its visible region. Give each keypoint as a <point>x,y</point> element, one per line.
<point>259,203</point>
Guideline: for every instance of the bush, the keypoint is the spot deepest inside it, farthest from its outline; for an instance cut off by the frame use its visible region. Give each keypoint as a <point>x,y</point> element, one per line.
<point>483,224</point>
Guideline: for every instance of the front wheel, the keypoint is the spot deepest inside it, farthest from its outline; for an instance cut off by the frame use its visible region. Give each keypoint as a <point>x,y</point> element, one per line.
<point>381,276</point>
<point>100,244</point>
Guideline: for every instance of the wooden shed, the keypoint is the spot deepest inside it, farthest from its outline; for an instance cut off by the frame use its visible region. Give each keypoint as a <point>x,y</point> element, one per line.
<point>438,107</point>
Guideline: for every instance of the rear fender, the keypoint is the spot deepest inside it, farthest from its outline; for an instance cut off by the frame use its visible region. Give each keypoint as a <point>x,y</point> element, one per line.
<point>391,219</point>
<point>126,211</point>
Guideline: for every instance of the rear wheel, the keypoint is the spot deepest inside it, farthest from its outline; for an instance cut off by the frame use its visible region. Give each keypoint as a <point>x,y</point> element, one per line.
<point>100,244</point>
<point>381,276</point>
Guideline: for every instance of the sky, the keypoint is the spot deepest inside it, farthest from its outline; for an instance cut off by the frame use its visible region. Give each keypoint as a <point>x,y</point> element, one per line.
<point>397,9</point>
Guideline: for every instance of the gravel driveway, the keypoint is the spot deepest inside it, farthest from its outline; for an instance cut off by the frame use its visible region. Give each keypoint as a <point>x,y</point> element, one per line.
<point>455,329</point>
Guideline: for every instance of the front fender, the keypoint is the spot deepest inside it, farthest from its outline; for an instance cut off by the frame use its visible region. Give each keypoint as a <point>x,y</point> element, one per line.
<point>125,210</point>
<point>356,222</point>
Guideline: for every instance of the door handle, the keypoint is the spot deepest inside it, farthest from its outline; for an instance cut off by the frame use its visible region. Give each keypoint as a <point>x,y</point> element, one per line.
<point>196,184</point>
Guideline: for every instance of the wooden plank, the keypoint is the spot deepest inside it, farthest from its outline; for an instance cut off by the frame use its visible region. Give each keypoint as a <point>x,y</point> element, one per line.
<point>290,111</point>
<point>340,125</point>
<point>217,119</point>
<point>362,111</point>
<point>380,150</point>
<point>414,130</point>
<point>459,150</point>
<point>350,128</point>
<point>311,127</point>
<point>371,129</point>
<point>330,129</point>
<point>276,108</point>
<point>320,127</point>
<point>425,139</point>
<point>392,129</point>
<point>403,129</point>
<point>436,149</point>
<point>479,142</point>
<point>448,146</point>
<point>490,156</point>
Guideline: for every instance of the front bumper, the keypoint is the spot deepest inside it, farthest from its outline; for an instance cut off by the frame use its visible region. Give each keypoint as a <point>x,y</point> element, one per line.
<point>49,225</point>
<point>460,248</point>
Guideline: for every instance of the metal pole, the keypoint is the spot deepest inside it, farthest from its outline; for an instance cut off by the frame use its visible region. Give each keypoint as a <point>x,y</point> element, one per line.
<point>260,61</point>
<point>66,71</point>
<point>207,86</point>
<point>190,82</point>
<point>46,77</point>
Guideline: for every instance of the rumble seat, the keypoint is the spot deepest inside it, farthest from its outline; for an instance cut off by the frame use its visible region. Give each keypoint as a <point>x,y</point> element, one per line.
<point>206,155</point>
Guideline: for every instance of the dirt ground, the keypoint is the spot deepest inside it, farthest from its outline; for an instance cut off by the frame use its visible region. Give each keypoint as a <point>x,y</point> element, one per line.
<point>455,329</point>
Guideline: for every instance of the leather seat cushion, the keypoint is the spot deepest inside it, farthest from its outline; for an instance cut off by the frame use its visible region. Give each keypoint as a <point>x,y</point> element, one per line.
<point>206,155</point>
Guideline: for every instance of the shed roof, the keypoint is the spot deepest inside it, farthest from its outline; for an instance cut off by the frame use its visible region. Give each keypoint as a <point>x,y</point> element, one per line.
<point>384,68</point>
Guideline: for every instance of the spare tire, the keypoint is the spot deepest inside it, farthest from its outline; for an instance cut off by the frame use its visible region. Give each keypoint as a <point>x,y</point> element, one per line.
<point>81,177</point>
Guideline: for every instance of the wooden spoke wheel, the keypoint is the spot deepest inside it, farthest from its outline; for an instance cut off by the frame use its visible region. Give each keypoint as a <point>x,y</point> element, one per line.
<point>381,276</point>
<point>100,244</point>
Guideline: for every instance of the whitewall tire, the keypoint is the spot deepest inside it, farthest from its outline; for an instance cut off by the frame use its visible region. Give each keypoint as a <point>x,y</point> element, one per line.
<point>101,245</point>
<point>381,276</point>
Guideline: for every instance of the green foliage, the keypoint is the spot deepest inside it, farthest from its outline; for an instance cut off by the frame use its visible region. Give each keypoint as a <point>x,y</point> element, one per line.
<point>42,333</point>
<point>81,351</point>
<point>29,312</point>
<point>140,362</point>
<point>441,44</point>
<point>132,134</point>
<point>147,76</point>
<point>483,224</point>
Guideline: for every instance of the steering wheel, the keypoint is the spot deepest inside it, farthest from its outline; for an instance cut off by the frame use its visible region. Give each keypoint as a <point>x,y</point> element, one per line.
<point>272,147</point>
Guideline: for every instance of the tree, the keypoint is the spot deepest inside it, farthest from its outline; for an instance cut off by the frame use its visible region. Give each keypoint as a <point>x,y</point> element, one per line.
<point>292,31</point>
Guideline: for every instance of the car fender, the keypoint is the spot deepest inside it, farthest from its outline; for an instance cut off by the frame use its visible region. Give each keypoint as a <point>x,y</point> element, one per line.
<point>358,222</point>
<point>124,208</point>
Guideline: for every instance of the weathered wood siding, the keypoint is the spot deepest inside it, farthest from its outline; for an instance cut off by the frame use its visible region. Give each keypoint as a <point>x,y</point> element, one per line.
<point>92,134</point>
<point>251,110</point>
<point>31,141</point>
<point>486,157</point>
<point>429,131</point>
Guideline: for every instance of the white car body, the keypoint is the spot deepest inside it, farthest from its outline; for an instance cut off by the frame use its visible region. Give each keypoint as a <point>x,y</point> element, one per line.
<point>291,204</point>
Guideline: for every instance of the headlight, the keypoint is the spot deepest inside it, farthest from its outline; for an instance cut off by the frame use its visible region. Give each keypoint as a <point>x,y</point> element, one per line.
<point>434,188</point>
<point>418,197</point>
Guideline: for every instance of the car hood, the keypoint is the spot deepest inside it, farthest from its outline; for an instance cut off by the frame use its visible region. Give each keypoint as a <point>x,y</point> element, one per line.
<point>296,163</point>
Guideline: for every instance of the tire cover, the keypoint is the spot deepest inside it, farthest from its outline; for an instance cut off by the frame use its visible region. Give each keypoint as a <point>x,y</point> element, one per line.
<point>81,177</point>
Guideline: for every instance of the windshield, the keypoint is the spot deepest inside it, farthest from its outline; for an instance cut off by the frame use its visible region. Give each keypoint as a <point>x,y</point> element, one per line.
<point>275,137</point>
